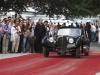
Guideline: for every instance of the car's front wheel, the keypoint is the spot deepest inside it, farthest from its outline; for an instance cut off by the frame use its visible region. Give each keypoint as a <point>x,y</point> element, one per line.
<point>45,52</point>
<point>78,54</point>
<point>86,53</point>
<point>58,53</point>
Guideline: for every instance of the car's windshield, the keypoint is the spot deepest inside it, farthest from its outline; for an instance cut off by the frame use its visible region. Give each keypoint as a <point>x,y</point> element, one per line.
<point>69,32</point>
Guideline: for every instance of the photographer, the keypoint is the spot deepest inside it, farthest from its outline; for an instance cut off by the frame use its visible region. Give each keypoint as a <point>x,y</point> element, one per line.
<point>15,36</point>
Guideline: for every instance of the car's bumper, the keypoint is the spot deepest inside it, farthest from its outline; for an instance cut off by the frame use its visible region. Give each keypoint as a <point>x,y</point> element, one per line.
<point>68,46</point>
<point>71,46</point>
<point>54,45</point>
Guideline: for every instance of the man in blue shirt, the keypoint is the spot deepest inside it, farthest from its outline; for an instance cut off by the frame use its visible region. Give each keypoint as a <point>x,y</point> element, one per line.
<point>0,36</point>
<point>6,31</point>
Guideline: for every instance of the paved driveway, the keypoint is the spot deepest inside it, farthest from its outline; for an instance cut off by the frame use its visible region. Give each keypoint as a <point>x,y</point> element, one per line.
<point>95,46</point>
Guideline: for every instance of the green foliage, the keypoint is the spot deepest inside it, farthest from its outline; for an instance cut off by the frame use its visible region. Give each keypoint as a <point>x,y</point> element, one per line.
<point>68,8</point>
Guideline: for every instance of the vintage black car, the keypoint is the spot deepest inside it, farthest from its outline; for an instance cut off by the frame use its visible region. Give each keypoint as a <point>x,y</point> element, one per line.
<point>68,40</point>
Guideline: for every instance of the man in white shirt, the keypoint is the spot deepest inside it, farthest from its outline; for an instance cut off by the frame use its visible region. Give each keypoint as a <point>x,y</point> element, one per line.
<point>11,24</point>
<point>99,35</point>
<point>93,31</point>
<point>15,37</point>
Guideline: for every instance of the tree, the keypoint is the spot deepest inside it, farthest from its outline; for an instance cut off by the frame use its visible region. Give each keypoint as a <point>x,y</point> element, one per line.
<point>68,8</point>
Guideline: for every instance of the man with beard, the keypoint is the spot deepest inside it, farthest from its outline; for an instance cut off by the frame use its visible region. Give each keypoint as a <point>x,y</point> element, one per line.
<point>40,31</point>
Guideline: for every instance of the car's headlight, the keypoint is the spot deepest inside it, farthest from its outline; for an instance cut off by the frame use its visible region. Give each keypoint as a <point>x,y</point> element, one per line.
<point>51,39</point>
<point>71,40</point>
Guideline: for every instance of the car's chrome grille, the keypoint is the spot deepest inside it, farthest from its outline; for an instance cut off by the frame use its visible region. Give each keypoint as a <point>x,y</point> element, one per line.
<point>62,42</point>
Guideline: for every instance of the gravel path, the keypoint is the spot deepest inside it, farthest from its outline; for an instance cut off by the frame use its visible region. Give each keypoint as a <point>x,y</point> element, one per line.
<point>4,56</point>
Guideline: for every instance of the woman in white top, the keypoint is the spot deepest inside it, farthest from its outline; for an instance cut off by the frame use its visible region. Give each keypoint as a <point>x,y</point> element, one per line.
<point>15,36</point>
<point>51,30</point>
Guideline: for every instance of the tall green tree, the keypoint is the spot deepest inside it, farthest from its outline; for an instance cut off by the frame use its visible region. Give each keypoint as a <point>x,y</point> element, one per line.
<point>68,8</point>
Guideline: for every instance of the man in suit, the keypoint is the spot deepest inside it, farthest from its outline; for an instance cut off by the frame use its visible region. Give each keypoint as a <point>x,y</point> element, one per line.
<point>40,31</point>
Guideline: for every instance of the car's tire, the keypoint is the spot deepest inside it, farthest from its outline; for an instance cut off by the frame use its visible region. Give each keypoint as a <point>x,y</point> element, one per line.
<point>78,54</point>
<point>86,53</point>
<point>45,52</point>
<point>58,53</point>
<point>73,54</point>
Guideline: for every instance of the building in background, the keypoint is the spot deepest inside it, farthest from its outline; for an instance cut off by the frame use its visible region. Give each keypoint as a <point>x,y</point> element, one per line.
<point>33,14</point>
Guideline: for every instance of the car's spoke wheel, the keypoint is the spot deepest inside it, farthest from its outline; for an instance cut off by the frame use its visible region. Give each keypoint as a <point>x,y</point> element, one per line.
<point>45,52</point>
<point>78,54</point>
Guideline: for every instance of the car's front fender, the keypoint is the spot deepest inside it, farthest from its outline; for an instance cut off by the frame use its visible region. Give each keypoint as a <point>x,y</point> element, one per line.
<point>78,41</point>
<point>49,44</point>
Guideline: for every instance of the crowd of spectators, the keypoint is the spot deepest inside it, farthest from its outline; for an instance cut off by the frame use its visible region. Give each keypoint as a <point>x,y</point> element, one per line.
<point>22,36</point>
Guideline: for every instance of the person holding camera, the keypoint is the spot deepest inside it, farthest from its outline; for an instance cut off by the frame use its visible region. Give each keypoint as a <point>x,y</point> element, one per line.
<point>15,37</point>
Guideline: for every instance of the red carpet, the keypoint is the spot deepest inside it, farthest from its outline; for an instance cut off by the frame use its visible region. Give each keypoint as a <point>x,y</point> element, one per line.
<point>36,64</point>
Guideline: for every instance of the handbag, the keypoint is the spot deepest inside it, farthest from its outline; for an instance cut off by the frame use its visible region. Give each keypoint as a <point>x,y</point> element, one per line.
<point>8,36</point>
